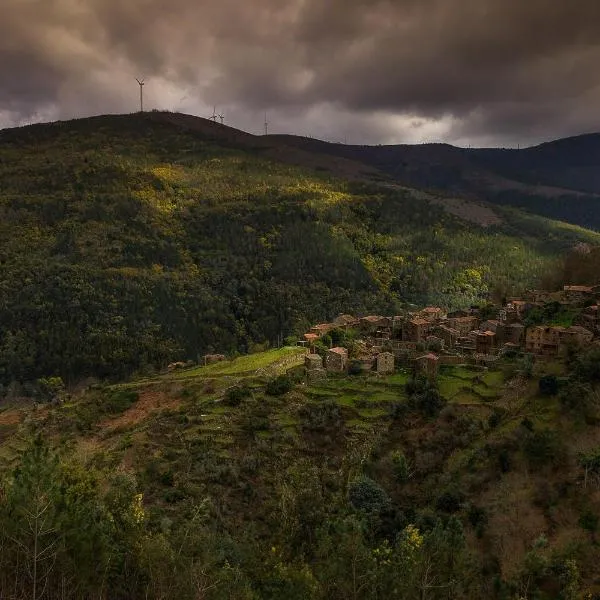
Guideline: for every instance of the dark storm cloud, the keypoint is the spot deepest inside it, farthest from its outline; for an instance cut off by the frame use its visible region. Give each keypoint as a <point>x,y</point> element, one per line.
<point>494,70</point>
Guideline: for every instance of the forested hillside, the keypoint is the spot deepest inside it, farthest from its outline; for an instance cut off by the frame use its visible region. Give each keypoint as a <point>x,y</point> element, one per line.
<point>558,179</point>
<point>127,242</point>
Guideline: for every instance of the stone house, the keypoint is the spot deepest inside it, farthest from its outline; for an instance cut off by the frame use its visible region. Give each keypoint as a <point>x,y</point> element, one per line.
<point>427,365</point>
<point>210,359</point>
<point>490,325</point>
<point>322,329</point>
<point>463,324</point>
<point>310,339</point>
<point>514,334</point>
<point>376,326</point>
<point>417,330</point>
<point>432,314</point>
<point>345,321</point>
<point>336,360</point>
<point>385,363</point>
<point>485,342</point>
<point>575,336</point>
<point>543,340</point>
<point>313,361</point>
<point>449,335</point>
<point>466,344</point>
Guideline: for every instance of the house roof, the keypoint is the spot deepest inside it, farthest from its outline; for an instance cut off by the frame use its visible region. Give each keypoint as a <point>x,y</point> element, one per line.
<point>345,319</point>
<point>322,327</point>
<point>339,350</point>
<point>449,330</point>
<point>372,318</point>
<point>419,322</point>
<point>311,336</point>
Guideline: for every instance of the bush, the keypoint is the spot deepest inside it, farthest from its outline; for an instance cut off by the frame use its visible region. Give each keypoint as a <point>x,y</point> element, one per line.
<point>120,401</point>
<point>548,385</point>
<point>234,396</point>
<point>279,386</point>
<point>321,417</point>
<point>355,367</point>
<point>368,496</point>
<point>449,501</point>
<point>494,419</point>
<point>478,518</point>
<point>401,466</point>
<point>543,448</point>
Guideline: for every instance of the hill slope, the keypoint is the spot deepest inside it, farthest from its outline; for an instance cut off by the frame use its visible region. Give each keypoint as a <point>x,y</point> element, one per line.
<point>209,483</point>
<point>130,241</point>
<point>559,179</point>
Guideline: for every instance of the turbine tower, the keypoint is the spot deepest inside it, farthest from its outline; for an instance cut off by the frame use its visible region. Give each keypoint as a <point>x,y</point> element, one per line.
<point>213,117</point>
<point>266,125</point>
<point>141,84</point>
<point>222,117</point>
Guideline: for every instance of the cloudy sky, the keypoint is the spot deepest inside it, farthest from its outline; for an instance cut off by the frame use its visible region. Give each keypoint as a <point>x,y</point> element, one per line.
<point>481,72</point>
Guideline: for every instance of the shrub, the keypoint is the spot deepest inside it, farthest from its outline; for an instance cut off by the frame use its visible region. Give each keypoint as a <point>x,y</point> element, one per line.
<point>548,385</point>
<point>279,385</point>
<point>494,419</point>
<point>478,518</point>
<point>401,466</point>
<point>321,417</point>
<point>235,395</point>
<point>120,401</point>
<point>368,496</point>
<point>449,501</point>
<point>543,448</point>
<point>355,368</point>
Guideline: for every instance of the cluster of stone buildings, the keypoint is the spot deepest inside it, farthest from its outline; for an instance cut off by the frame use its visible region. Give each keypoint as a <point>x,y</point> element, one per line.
<point>432,336</point>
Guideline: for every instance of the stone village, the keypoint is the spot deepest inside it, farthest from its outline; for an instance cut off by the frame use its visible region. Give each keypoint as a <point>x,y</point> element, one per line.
<point>431,337</point>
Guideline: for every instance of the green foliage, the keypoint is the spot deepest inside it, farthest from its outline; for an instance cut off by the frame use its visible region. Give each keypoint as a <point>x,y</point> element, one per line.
<point>278,386</point>
<point>55,526</point>
<point>355,367</point>
<point>367,496</point>
<point>401,466</point>
<point>548,385</point>
<point>424,396</point>
<point>235,395</point>
<point>129,242</point>
<point>543,447</point>
<point>551,313</point>
<point>325,416</point>
<point>119,401</point>
<point>51,388</point>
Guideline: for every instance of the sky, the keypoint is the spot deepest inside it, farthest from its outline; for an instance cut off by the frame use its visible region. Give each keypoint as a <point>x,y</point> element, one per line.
<point>468,72</point>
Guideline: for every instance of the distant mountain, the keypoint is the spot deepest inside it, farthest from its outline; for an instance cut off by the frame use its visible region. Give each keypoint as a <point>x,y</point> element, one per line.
<point>559,179</point>
<point>130,241</point>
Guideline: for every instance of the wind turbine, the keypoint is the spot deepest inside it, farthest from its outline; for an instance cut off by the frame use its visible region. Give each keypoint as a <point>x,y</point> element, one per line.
<point>266,125</point>
<point>214,115</point>
<point>222,117</point>
<point>141,84</point>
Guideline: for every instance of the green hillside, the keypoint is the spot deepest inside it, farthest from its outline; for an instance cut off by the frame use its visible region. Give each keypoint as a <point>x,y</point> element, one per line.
<point>127,242</point>
<point>230,482</point>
